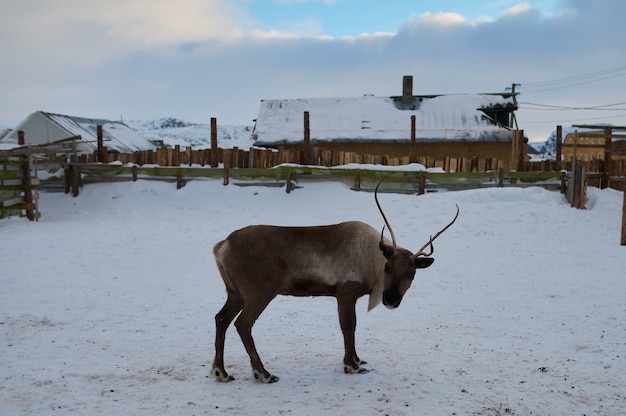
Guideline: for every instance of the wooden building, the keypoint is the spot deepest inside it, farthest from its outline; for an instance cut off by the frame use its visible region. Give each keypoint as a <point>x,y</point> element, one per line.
<point>591,142</point>
<point>463,126</point>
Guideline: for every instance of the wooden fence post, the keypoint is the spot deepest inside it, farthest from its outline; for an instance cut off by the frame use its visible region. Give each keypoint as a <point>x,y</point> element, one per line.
<point>624,219</point>
<point>413,149</point>
<point>226,171</point>
<point>29,205</point>
<point>176,156</point>
<point>307,140</point>
<point>214,161</point>
<point>559,146</point>
<point>100,140</point>
<point>67,186</point>
<point>235,157</point>
<point>179,180</point>
<point>288,185</point>
<point>501,178</point>
<point>582,184</point>
<point>576,187</point>
<point>575,149</point>
<point>421,189</point>
<point>608,158</point>
<point>517,150</point>
<point>251,159</point>
<point>74,174</point>
<point>514,151</point>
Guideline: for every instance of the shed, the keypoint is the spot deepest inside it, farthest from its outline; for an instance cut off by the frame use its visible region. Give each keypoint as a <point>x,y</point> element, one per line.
<point>45,128</point>
<point>451,125</point>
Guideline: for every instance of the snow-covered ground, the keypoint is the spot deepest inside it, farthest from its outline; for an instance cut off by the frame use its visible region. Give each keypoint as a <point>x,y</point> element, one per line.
<point>107,307</point>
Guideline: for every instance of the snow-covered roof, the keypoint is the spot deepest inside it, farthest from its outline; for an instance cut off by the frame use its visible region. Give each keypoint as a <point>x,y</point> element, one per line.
<point>461,117</point>
<point>43,128</point>
<point>4,131</point>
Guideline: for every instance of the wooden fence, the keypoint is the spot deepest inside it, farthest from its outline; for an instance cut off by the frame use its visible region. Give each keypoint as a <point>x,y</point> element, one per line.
<point>18,189</point>
<point>261,158</point>
<point>167,156</point>
<point>19,184</point>
<point>597,174</point>
<point>579,175</point>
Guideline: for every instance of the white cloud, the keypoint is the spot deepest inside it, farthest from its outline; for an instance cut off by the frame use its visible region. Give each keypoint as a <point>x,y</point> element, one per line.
<point>442,19</point>
<point>268,35</point>
<point>517,9</point>
<point>156,22</point>
<point>121,24</point>
<point>375,35</point>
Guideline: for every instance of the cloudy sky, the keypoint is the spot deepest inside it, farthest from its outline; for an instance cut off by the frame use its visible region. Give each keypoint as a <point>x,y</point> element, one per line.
<point>197,59</point>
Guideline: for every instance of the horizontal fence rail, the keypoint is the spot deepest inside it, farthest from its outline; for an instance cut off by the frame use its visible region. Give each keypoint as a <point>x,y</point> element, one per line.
<point>292,176</point>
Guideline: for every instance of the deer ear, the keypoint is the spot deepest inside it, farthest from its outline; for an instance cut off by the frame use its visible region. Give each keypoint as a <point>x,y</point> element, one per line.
<point>423,262</point>
<point>387,250</point>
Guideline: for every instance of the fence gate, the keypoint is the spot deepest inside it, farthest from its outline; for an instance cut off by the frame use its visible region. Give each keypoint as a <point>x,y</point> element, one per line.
<point>19,188</point>
<point>575,191</point>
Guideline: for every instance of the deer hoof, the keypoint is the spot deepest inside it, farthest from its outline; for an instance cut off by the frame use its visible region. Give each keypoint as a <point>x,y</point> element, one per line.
<point>263,379</point>
<point>221,375</point>
<point>359,370</point>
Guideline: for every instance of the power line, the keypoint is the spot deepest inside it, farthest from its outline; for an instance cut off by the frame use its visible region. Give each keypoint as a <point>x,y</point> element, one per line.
<point>604,107</point>
<point>586,119</point>
<point>575,80</point>
<point>617,110</point>
<point>577,77</point>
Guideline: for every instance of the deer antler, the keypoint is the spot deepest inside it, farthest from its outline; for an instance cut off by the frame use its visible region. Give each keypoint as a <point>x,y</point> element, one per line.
<point>393,237</point>
<point>421,251</point>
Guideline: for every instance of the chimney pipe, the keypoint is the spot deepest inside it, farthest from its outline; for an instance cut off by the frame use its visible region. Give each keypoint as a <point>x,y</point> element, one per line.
<point>407,89</point>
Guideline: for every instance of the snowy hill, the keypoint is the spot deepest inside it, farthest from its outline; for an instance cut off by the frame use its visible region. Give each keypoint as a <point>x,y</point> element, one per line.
<point>174,132</point>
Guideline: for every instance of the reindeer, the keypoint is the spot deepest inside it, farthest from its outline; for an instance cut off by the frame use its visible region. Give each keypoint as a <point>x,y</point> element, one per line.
<point>346,260</point>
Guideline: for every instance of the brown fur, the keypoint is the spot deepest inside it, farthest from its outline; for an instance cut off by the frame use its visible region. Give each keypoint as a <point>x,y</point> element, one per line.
<point>346,260</point>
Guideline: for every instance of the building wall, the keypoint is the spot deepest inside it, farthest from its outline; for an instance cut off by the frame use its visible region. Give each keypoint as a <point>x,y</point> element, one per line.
<point>439,150</point>
<point>38,129</point>
<point>589,146</point>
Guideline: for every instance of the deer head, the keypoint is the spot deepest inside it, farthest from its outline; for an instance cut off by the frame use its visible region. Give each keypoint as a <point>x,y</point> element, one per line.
<point>401,263</point>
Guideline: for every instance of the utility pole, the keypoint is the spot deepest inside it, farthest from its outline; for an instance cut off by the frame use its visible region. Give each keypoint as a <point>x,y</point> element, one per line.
<point>513,121</point>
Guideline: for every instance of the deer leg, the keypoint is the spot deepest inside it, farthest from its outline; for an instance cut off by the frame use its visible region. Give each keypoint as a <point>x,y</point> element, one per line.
<point>346,301</point>
<point>251,311</point>
<point>223,319</point>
